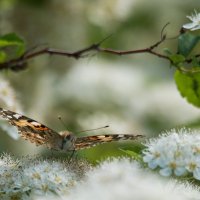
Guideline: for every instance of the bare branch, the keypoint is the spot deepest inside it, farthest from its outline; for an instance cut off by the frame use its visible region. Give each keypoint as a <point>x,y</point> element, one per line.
<point>20,63</point>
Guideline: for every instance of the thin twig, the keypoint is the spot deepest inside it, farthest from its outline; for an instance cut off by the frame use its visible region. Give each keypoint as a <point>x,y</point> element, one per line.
<point>17,64</point>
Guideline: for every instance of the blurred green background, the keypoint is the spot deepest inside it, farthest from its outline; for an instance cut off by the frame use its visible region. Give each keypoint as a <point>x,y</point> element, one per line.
<point>133,94</point>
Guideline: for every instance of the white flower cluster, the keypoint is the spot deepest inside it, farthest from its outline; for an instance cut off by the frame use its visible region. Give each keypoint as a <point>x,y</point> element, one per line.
<point>195,25</point>
<point>27,177</point>
<point>175,152</point>
<point>124,179</point>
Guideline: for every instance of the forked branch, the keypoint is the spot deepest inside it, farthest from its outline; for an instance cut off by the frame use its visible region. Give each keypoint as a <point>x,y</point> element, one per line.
<point>20,63</point>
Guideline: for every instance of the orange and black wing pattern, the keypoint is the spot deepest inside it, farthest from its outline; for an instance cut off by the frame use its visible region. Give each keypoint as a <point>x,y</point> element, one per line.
<point>90,141</point>
<point>32,130</point>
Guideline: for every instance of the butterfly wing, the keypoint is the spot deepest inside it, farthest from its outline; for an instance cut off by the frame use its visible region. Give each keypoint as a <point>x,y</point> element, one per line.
<point>90,141</point>
<point>32,130</point>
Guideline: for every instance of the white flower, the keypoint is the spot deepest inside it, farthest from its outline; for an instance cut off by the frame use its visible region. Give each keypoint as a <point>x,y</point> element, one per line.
<point>37,176</point>
<point>175,152</point>
<point>124,179</point>
<point>8,175</point>
<point>195,25</point>
<point>44,177</point>
<point>193,165</point>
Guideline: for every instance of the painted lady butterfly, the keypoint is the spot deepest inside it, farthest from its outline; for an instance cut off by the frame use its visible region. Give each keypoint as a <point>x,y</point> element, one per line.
<point>40,134</point>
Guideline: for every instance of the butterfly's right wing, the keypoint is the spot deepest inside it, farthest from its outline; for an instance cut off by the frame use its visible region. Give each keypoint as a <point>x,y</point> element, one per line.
<point>90,141</point>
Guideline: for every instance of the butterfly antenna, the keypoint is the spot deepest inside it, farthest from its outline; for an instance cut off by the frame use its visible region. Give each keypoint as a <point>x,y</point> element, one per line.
<point>60,119</point>
<point>94,129</point>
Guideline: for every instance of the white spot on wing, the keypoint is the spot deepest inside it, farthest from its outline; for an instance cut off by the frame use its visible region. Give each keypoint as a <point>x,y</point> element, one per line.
<point>120,136</point>
<point>35,123</point>
<point>17,116</point>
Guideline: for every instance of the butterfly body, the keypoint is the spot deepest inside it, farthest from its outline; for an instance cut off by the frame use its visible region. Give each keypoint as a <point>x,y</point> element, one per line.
<point>68,140</point>
<point>40,134</point>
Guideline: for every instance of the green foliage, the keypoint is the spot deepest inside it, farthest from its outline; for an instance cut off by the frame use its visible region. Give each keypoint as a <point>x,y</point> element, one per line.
<point>177,59</point>
<point>195,62</point>
<point>3,56</point>
<point>136,156</point>
<point>186,43</point>
<point>187,78</point>
<point>15,42</point>
<point>167,51</point>
<point>34,3</point>
<point>188,85</point>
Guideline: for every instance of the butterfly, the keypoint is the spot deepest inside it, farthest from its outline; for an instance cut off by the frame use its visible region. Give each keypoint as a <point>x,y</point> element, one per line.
<point>40,134</point>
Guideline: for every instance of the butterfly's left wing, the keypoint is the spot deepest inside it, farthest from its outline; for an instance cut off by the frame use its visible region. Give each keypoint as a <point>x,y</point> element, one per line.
<point>90,141</point>
<point>32,130</point>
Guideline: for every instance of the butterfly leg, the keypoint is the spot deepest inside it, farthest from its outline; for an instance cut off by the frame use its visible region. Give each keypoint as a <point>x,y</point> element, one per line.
<point>71,156</point>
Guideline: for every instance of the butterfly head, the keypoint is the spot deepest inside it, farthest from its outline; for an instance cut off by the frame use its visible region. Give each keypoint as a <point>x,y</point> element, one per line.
<point>67,141</point>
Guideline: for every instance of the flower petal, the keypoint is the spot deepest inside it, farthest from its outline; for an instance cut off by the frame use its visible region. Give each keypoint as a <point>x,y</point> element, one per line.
<point>152,165</point>
<point>188,26</point>
<point>196,173</point>
<point>166,171</point>
<point>195,28</point>
<point>179,171</point>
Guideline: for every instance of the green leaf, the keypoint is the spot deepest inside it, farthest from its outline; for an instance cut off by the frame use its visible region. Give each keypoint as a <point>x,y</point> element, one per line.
<point>195,62</point>
<point>177,59</point>
<point>3,56</point>
<point>189,86</point>
<point>135,155</point>
<point>167,51</point>
<point>186,42</point>
<point>12,39</point>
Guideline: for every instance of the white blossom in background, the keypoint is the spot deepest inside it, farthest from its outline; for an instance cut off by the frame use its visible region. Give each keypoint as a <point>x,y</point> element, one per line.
<point>107,10</point>
<point>175,152</point>
<point>7,96</point>
<point>10,130</point>
<point>27,177</point>
<point>195,24</point>
<point>103,81</point>
<point>155,104</point>
<point>124,179</point>
<point>9,101</point>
